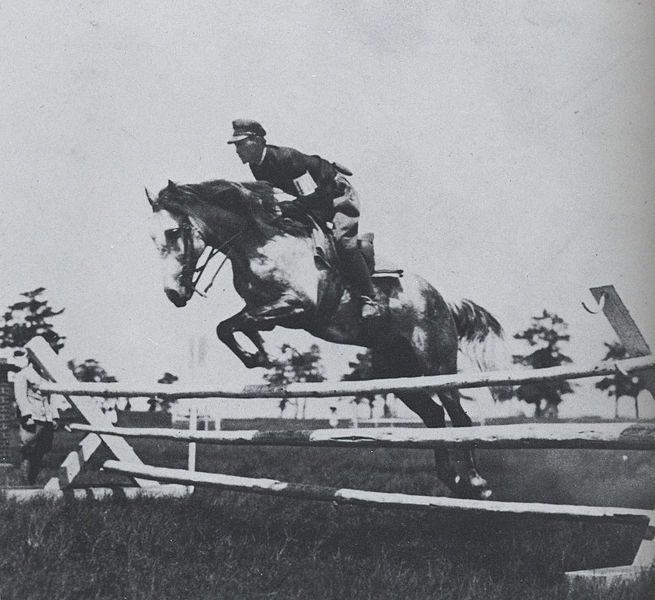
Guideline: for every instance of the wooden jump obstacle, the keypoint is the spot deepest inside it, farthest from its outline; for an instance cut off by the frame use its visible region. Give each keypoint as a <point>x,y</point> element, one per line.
<point>615,436</point>
<point>63,486</point>
<point>634,436</point>
<point>273,487</point>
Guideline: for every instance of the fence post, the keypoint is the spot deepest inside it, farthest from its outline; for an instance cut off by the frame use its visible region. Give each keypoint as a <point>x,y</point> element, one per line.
<point>193,426</point>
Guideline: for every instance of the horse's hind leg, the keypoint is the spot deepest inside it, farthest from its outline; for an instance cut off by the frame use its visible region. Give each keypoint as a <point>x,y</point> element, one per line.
<point>433,416</point>
<point>399,360</point>
<point>469,482</point>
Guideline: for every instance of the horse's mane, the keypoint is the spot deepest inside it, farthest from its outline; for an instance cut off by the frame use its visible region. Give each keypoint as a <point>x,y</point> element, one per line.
<point>254,200</point>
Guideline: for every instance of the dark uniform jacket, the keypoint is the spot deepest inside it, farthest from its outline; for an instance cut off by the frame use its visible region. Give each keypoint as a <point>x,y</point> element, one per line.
<point>282,165</point>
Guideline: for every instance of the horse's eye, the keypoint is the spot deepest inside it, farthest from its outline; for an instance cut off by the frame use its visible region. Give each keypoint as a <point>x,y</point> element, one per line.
<point>172,234</point>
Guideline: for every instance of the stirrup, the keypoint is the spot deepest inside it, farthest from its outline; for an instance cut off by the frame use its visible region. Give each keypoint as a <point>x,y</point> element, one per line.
<point>370,308</point>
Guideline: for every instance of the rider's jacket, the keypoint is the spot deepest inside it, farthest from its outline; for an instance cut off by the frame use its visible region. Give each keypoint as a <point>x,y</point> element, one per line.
<point>282,166</point>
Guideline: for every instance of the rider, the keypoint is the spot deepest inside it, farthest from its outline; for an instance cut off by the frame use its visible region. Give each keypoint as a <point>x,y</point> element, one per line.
<point>321,188</point>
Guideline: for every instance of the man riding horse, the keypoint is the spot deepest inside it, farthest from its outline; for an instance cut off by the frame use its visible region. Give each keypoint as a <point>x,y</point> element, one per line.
<point>321,189</point>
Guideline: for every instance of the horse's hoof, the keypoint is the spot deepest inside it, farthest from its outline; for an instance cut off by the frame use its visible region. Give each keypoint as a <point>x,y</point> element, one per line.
<point>478,481</point>
<point>464,489</point>
<point>486,494</point>
<point>256,360</point>
<point>250,360</point>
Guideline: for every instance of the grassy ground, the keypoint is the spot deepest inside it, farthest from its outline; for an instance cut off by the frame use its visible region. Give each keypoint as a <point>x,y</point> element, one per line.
<point>229,545</point>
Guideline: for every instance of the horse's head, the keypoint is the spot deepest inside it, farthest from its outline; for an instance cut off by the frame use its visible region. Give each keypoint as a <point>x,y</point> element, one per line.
<point>179,243</point>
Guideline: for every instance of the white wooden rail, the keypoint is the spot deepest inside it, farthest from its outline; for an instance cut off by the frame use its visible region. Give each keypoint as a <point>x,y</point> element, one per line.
<point>348,496</point>
<point>623,436</point>
<point>353,388</point>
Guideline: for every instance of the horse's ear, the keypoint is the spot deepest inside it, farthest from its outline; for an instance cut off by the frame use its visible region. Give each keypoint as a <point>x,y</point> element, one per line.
<point>171,185</point>
<point>153,203</point>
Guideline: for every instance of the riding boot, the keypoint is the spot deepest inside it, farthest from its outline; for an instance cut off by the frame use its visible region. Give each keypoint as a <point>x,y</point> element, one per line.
<point>357,272</point>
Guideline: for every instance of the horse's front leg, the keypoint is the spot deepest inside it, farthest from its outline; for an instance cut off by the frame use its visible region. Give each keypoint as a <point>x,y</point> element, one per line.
<point>245,324</point>
<point>250,322</point>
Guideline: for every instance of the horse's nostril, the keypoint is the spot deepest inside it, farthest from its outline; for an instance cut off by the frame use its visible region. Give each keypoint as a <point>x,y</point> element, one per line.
<point>174,297</point>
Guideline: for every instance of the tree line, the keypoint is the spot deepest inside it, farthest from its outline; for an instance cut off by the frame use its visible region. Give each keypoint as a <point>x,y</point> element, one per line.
<point>544,340</point>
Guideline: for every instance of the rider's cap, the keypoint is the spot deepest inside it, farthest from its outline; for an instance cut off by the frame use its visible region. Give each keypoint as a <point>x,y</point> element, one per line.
<point>245,128</point>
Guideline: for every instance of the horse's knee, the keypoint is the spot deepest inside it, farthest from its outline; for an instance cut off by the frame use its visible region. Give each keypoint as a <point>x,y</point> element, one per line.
<point>431,413</point>
<point>451,401</point>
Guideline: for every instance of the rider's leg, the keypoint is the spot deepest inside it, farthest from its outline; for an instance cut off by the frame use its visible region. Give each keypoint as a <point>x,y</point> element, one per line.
<point>346,223</point>
<point>356,270</point>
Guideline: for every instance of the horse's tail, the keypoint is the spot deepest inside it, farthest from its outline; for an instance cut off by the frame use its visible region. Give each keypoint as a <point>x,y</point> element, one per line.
<point>481,338</point>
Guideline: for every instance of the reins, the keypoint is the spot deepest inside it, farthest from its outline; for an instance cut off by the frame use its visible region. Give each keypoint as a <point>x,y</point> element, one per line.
<point>198,271</point>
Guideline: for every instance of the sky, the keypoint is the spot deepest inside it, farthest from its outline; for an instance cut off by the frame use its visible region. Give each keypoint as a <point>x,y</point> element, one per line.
<point>502,150</point>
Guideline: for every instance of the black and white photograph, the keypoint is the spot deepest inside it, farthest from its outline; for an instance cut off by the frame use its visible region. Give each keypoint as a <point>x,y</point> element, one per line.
<point>327,300</point>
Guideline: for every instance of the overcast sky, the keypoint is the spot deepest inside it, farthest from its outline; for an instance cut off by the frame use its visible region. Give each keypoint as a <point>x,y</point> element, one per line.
<point>503,150</point>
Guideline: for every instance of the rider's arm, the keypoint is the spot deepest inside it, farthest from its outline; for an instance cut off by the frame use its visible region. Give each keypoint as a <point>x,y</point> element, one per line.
<point>322,175</point>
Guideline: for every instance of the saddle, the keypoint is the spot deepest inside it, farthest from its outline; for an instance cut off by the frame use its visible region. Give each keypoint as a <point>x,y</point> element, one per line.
<point>325,253</point>
<point>325,247</point>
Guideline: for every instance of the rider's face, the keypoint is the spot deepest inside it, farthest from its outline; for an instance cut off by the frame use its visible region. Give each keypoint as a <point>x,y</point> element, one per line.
<point>249,150</point>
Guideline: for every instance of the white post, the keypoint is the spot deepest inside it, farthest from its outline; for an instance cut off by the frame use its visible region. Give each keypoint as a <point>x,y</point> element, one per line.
<point>193,426</point>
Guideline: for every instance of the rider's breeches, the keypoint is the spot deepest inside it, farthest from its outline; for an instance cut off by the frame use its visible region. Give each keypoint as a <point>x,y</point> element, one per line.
<point>346,225</point>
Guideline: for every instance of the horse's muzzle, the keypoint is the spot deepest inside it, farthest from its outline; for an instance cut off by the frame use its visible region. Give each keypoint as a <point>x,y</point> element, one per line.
<point>175,297</point>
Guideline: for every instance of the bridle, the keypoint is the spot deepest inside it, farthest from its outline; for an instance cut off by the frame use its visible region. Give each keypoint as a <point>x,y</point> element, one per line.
<point>193,273</point>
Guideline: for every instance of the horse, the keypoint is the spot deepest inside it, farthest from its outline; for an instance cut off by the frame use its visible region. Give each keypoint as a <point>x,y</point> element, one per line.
<point>286,270</point>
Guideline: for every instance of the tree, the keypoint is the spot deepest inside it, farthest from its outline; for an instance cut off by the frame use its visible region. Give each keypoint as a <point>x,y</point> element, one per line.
<point>294,366</point>
<point>547,331</point>
<point>361,369</point>
<point>90,371</point>
<point>620,384</point>
<point>163,404</point>
<point>30,318</point>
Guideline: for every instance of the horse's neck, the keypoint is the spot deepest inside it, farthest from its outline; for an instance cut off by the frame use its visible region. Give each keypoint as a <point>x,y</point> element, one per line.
<point>281,265</point>
<point>220,226</point>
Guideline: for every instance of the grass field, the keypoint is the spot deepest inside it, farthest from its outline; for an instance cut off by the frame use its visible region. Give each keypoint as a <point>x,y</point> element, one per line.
<point>230,545</point>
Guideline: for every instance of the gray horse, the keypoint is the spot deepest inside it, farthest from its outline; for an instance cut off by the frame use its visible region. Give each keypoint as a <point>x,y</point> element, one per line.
<point>287,272</point>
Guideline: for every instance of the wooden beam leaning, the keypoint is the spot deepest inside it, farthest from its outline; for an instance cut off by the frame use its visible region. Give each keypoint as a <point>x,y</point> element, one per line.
<point>368,498</point>
<point>52,367</point>
<point>625,328</point>
<point>353,388</point>
<point>635,344</point>
<point>621,436</point>
<point>74,463</point>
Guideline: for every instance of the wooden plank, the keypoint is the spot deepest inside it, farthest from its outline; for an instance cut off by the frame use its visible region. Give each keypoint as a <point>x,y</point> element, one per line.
<point>608,576</point>
<point>95,493</point>
<point>625,328</point>
<point>74,463</point>
<point>352,388</point>
<point>635,345</point>
<point>623,436</point>
<point>53,368</point>
<point>621,321</point>
<point>380,499</point>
